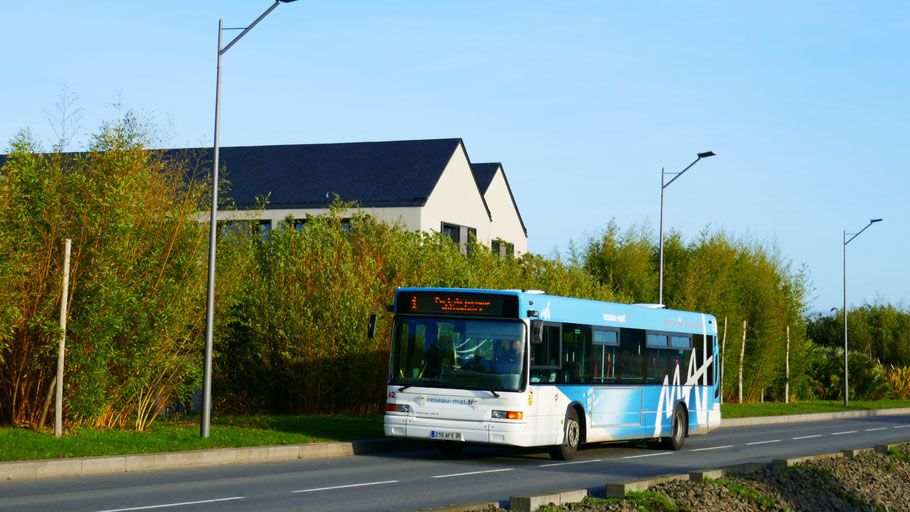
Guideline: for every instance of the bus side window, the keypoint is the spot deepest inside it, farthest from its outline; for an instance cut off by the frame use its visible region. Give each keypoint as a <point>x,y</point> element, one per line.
<point>631,346</point>
<point>545,356</point>
<point>698,343</point>
<point>679,362</point>
<point>577,364</point>
<point>657,362</point>
<point>606,346</point>
<point>657,358</point>
<point>716,362</point>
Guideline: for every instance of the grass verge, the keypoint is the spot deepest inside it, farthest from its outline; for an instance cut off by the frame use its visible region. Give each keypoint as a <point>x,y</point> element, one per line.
<point>180,433</point>
<point>805,407</point>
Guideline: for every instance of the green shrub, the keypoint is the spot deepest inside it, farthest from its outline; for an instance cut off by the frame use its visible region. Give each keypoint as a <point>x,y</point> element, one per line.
<point>134,309</point>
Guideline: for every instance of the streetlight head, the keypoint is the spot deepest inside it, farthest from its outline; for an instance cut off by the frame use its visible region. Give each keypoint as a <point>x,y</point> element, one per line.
<point>287,1</point>
<point>874,220</point>
<point>706,154</point>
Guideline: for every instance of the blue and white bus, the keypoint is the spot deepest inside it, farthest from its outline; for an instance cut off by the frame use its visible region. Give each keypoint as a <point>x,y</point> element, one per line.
<point>522,368</point>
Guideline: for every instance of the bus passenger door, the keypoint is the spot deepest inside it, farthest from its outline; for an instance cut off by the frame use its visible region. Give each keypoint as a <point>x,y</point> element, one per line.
<point>616,397</point>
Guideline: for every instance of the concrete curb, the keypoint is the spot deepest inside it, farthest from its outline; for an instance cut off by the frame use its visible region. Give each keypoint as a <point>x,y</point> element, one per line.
<point>55,468</point>
<point>532,502</point>
<point>476,506</point>
<point>782,464</point>
<point>619,489</point>
<point>699,475</point>
<point>884,448</point>
<point>821,416</point>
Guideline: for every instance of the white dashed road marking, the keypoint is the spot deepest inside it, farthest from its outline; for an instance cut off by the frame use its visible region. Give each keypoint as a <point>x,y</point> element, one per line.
<point>712,448</point>
<point>475,473</point>
<point>647,455</point>
<point>346,486</point>
<point>169,505</point>
<point>568,463</point>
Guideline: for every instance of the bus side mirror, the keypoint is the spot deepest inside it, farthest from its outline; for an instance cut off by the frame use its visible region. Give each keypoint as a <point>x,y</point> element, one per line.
<point>371,329</point>
<point>536,331</point>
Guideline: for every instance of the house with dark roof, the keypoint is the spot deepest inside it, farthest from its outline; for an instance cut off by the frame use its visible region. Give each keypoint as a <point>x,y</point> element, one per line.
<point>429,185</point>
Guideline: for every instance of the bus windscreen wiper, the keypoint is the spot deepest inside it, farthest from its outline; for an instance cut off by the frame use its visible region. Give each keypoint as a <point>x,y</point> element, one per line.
<point>494,392</point>
<point>419,382</point>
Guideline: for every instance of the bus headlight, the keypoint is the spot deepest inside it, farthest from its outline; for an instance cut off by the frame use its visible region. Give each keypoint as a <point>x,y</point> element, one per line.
<point>508,415</point>
<point>398,408</point>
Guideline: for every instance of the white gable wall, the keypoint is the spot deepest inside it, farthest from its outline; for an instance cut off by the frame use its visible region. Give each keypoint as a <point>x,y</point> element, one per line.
<point>457,200</point>
<point>506,222</point>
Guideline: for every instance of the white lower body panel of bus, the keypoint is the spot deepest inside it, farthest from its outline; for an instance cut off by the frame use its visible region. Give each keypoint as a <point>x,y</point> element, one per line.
<point>608,413</point>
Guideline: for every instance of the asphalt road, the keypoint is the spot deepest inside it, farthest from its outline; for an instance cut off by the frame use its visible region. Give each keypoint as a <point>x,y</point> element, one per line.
<point>417,479</point>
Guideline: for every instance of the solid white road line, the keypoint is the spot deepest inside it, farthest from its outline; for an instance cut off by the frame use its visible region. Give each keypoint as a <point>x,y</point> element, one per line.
<point>345,486</point>
<point>876,429</point>
<point>647,455</point>
<point>568,463</point>
<point>842,433</point>
<point>475,473</point>
<point>807,437</point>
<point>712,448</point>
<point>168,505</point>
<point>763,442</point>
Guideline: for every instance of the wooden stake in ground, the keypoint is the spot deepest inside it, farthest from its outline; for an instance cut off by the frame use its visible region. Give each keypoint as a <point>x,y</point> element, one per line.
<point>58,407</point>
<point>787,366</point>
<point>723,356</point>
<point>742,356</point>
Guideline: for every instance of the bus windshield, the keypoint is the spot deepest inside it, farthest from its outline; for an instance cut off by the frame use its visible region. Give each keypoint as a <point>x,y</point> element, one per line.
<point>456,353</point>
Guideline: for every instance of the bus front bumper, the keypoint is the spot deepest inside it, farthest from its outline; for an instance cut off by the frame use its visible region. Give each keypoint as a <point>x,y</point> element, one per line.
<point>514,433</point>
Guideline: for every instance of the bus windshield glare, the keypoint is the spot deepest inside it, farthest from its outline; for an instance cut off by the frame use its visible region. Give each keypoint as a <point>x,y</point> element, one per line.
<point>456,353</point>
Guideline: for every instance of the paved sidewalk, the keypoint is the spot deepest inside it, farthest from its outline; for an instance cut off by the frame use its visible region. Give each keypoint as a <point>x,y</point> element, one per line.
<point>52,468</point>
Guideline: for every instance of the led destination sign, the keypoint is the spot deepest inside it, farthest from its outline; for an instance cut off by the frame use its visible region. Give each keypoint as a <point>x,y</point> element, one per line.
<point>459,304</point>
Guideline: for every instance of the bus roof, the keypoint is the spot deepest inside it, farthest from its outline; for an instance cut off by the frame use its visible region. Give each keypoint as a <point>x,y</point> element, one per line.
<point>555,308</point>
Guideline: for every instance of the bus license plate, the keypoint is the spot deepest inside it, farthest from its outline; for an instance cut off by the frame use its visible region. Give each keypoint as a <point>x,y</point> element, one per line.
<point>446,436</point>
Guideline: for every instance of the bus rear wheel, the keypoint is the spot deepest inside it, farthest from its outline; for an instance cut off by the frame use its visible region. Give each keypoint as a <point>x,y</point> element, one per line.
<point>678,430</point>
<point>571,438</point>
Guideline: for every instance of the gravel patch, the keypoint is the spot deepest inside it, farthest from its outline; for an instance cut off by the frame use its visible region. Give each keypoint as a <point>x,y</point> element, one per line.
<point>870,481</point>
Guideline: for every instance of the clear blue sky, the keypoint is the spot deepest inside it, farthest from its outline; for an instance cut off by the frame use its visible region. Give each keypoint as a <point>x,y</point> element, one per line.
<point>805,103</point>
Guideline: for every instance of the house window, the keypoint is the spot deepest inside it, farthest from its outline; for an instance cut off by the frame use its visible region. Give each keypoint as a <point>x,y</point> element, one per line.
<point>262,228</point>
<point>502,248</point>
<point>243,228</point>
<point>453,232</point>
<point>460,235</point>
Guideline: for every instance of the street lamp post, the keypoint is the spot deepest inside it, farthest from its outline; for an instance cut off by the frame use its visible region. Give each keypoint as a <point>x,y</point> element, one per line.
<point>706,154</point>
<point>210,299</point>
<point>846,368</point>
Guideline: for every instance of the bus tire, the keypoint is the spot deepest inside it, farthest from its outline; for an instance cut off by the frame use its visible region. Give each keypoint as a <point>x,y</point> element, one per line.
<point>450,448</point>
<point>678,430</point>
<point>571,438</point>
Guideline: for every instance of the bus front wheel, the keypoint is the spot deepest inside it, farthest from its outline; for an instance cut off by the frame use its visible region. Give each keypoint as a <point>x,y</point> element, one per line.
<point>678,430</point>
<point>571,438</point>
